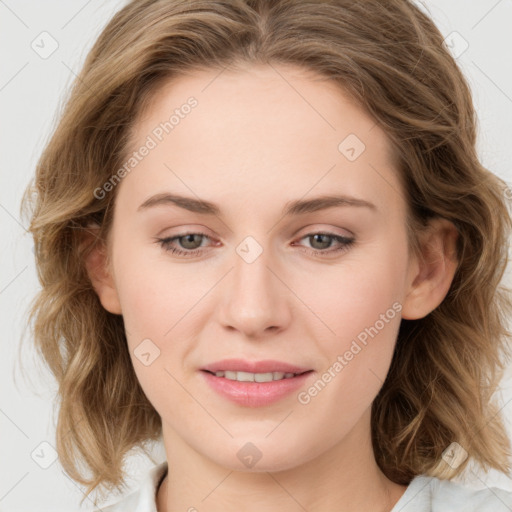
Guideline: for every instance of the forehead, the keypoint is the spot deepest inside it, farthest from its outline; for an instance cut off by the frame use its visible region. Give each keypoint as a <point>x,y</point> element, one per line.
<point>262,130</point>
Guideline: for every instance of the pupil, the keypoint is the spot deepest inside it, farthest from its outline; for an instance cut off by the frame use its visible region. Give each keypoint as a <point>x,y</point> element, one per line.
<point>324,244</point>
<point>189,239</point>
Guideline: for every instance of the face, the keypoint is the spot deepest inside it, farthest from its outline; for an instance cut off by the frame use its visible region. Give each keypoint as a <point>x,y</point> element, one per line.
<point>254,275</point>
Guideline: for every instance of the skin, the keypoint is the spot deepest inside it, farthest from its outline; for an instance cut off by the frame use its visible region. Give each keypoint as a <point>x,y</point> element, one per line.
<point>259,137</point>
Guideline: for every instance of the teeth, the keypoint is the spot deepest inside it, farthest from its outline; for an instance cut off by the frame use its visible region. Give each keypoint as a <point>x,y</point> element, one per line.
<point>254,377</point>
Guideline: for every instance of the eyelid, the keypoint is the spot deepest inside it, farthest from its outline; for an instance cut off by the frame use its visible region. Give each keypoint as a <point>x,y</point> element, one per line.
<point>185,229</point>
<point>311,229</point>
<point>344,244</point>
<point>316,228</point>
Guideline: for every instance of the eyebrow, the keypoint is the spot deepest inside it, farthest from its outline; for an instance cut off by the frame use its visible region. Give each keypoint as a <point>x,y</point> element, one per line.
<point>296,207</point>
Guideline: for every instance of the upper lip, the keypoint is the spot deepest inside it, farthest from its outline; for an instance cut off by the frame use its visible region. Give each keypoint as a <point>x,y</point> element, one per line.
<point>266,366</point>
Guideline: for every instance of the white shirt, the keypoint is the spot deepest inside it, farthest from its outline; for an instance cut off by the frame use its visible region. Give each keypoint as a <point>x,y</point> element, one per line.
<point>424,494</point>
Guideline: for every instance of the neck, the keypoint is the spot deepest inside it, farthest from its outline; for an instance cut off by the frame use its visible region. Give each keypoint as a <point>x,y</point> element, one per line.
<point>346,479</point>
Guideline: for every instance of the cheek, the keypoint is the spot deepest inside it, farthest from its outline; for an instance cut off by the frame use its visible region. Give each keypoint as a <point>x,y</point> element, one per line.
<point>361,307</point>
<point>156,308</point>
<point>155,295</point>
<point>160,303</point>
<point>355,296</point>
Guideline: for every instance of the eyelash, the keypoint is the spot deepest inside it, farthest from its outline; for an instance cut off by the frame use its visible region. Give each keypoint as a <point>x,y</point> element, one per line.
<point>346,242</point>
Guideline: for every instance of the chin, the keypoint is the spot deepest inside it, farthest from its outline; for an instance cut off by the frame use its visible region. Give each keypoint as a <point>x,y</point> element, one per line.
<point>258,455</point>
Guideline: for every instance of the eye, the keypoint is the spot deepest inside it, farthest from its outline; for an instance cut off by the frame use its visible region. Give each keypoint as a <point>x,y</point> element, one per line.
<point>190,243</point>
<point>324,241</point>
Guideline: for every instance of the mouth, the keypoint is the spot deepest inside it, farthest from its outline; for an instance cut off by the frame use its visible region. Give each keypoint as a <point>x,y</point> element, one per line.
<point>241,376</point>
<point>255,383</point>
<point>247,368</point>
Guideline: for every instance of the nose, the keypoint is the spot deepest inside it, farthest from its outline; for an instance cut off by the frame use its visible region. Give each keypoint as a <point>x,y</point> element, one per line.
<point>254,298</point>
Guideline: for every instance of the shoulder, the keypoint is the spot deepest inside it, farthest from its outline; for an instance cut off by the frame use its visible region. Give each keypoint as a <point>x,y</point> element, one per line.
<point>431,494</point>
<point>144,498</point>
<point>454,496</point>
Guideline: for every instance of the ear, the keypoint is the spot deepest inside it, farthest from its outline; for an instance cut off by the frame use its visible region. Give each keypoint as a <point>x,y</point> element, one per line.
<point>431,274</point>
<point>99,270</point>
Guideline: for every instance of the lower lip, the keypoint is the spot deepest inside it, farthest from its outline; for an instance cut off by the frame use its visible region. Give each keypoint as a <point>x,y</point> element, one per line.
<point>255,394</point>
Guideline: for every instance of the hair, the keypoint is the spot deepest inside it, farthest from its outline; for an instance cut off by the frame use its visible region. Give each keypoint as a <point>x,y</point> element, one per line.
<point>390,59</point>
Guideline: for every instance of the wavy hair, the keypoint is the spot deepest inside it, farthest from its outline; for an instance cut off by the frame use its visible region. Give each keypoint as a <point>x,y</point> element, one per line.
<point>389,57</point>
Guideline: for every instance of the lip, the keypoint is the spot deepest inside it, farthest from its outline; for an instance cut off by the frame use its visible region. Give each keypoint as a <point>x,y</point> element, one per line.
<point>255,394</point>
<point>242,365</point>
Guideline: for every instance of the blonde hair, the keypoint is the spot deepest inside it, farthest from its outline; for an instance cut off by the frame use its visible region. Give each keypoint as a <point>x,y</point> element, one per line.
<point>389,57</point>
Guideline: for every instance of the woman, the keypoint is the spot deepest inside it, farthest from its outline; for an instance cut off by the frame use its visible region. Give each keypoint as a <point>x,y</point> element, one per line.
<point>264,236</point>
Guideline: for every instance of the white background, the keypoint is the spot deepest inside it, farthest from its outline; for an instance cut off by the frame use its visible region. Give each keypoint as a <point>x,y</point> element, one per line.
<point>31,90</point>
